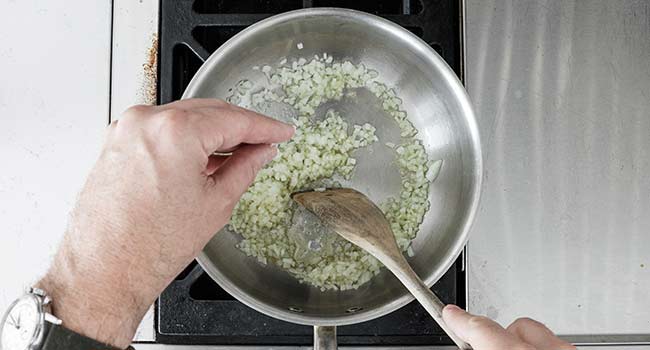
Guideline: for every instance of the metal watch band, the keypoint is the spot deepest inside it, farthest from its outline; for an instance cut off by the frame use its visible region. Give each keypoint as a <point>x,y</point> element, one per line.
<point>61,338</point>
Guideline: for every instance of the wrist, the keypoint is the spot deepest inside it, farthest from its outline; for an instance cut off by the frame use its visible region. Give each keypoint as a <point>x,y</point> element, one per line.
<point>94,306</point>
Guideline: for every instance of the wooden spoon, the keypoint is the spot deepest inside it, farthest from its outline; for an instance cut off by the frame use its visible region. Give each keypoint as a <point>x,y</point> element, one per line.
<point>356,218</point>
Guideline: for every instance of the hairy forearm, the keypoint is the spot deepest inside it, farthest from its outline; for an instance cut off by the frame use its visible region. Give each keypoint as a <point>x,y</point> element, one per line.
<point>95,298</point>
<point>153,200</point>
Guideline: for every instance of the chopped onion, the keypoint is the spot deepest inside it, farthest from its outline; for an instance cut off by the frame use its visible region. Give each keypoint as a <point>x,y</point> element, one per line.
<point>318,151</point>
<point>434,170</point>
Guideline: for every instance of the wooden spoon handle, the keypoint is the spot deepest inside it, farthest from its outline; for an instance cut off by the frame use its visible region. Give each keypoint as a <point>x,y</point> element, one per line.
<point>428,299</point>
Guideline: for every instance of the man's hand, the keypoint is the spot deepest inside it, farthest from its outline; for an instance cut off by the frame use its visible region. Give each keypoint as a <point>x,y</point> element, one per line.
<point>484,334</point>
<point>155,197</point>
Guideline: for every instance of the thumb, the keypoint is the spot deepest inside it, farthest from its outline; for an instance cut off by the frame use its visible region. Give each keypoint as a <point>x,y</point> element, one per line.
<point>237,173</point>
<point>480,332</point>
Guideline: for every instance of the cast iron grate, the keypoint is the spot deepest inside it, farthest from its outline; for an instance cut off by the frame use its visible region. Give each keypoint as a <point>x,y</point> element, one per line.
<point>190,30</point>
<point>194,309</point>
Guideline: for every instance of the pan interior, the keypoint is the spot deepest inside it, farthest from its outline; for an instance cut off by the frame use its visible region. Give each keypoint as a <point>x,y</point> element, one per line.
<point>436,105</point>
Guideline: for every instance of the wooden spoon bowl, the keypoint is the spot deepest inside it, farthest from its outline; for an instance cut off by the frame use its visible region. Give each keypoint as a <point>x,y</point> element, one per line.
<point>356,218</point>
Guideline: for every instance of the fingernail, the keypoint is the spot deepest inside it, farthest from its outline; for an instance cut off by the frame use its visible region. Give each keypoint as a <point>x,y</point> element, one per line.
<point>453,307</point>
<point>271,152</point>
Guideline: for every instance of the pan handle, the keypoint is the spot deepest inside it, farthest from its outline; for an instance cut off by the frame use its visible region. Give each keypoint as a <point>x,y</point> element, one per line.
<point>325,338</point>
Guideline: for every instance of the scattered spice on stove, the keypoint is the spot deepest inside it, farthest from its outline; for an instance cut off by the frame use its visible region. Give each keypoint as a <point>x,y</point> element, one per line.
<point>150,73</point>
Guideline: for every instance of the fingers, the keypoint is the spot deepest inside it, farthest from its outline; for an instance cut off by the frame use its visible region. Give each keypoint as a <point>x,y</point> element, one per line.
<point>485,334</point>
<point>242,126</point>
<point>537,335</point>
<point>481,332</point>
<point>234,176</point>
<point>217,125</point>
<point>214,162</point>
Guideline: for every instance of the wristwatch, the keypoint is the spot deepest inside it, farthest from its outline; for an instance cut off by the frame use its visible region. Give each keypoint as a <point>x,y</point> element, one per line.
<point>30,325</point>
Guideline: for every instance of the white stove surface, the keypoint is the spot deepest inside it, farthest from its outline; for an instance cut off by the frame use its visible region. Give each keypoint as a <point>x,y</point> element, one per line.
<point>562,94</point>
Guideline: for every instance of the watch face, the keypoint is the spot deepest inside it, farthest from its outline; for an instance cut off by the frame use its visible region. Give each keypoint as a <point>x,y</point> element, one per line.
<point>21,324</point>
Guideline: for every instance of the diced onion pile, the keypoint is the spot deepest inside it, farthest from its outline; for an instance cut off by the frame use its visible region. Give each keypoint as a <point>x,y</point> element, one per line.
<point>320,151</point>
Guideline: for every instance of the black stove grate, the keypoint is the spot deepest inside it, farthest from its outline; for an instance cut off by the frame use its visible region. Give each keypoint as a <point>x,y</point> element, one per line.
<point>194,309</point>
<point>190,30</point>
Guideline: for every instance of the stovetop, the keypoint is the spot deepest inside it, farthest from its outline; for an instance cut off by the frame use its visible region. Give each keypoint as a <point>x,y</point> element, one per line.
<point>194,309</point>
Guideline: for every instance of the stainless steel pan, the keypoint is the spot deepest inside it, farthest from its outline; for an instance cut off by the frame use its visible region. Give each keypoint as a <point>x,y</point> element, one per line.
<point>438,107</point>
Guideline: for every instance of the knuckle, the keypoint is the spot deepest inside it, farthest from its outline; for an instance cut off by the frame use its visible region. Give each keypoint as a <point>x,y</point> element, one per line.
<point>173,120</point>
<point>172,115</point>
<point>132,117</point>
<point>524,322</point>
<point>480,323</point>
<point>136,111</point>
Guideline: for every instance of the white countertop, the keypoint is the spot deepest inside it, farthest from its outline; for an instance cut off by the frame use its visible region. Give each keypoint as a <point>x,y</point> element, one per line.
<point>54,69</point>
